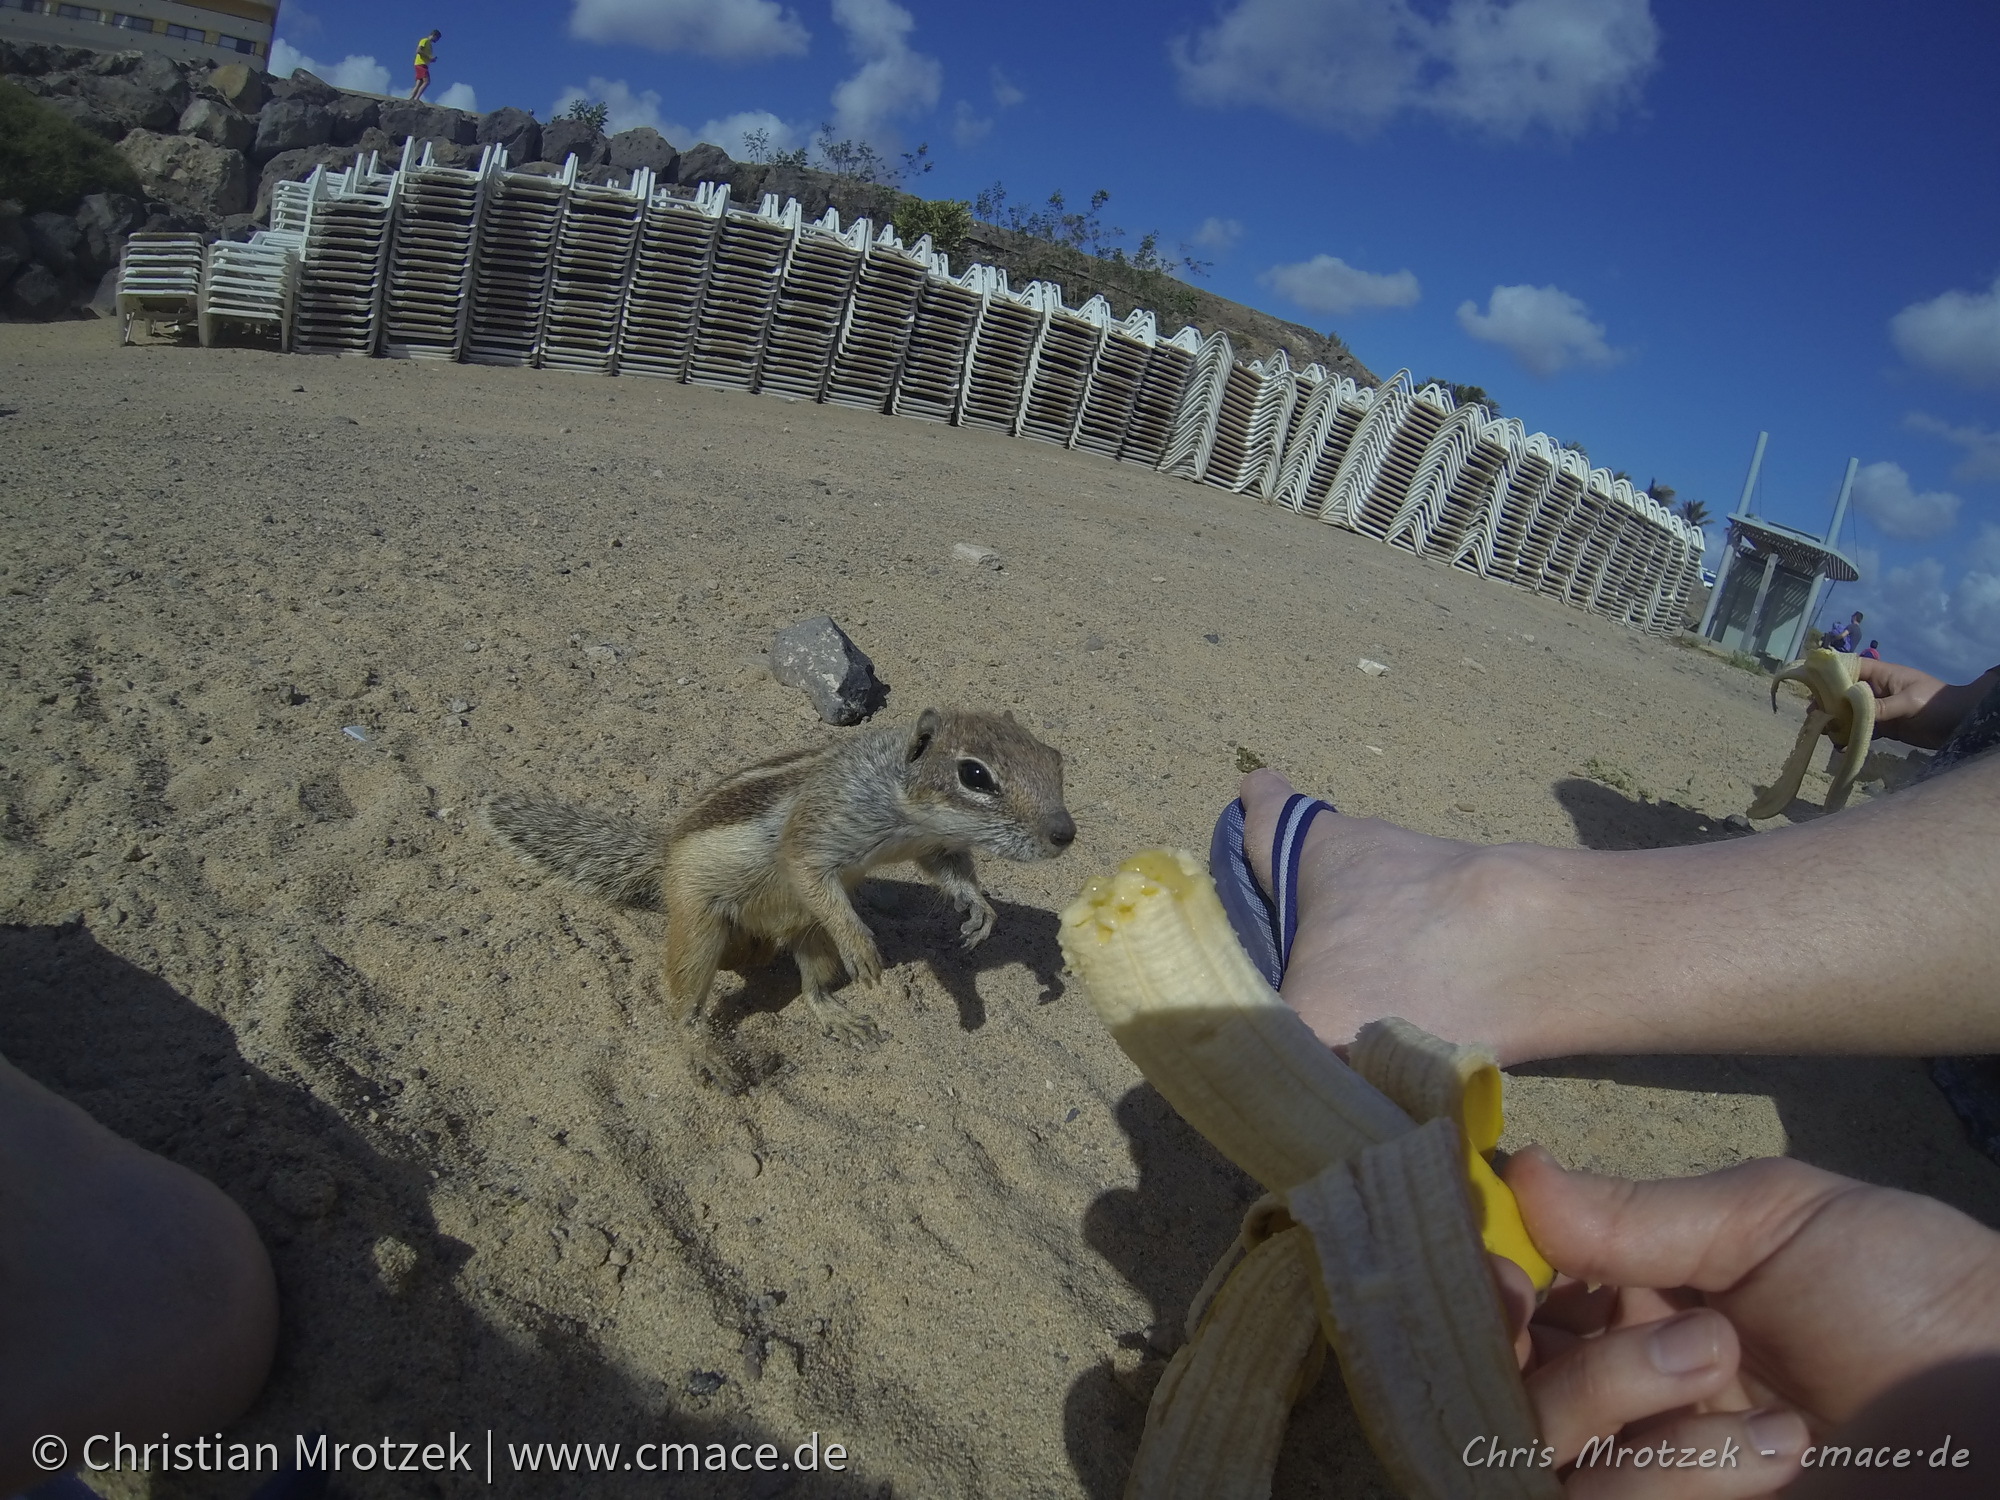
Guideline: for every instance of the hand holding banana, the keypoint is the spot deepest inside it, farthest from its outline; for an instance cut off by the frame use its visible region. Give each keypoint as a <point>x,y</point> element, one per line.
<point>1375,1231</point>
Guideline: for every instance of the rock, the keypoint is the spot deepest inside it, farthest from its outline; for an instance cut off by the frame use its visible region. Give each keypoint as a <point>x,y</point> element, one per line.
<point>376,139</point>
<point>562,139</point>
<point>353,115</point>
<point>404,118</point>
<point>54,240</point>
<point>108,63</point>
<point>291,125</point>
<point>187,173</point>
<point>644,147</point>
<point>1737,823</point>
<point>978,554</point>
<point>36,293</point>
<point>1373,668</point>
<point>104,220</point>
<point>816,657</point>
<point>538,169</point>
<point>12,258</point>
<point>310,88</point>
<point>704,163</point>
<point>446,153</point>
<point>134,105</point>
<point>605,176</point>
<point>293,166</point>
<point>85,115</point>
<point>515,129</point>
<point>241,86</point>
<point>395,1264</point>
<point>217,123</point>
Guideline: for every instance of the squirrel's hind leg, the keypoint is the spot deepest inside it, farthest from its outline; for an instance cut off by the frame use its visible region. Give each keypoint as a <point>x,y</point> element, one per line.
<point>818,958</point>
<point>696,941</point>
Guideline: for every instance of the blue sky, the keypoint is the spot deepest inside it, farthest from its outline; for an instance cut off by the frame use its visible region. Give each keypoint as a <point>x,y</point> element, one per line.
<point>1652,227</point>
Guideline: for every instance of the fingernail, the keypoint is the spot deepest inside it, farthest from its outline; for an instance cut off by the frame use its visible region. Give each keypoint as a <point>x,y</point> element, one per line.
<point>1776,1432</point>
<point>1684,1344</point>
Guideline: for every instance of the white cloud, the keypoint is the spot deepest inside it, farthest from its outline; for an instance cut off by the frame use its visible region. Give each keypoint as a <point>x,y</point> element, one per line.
<point>362,74</point>
<point>733,29</point>
<point>892,79</point>
<point>629,110</point>
<point>1981,445</point>
<point>1328,284</point>
<point>1882,492</point>
<point>968,125</point>
<point>632,108</point>
<point>1005,94</point>
<point>1955,335</point>
<point>458,96</point>
<point>1543,327</point>
<point>1945,626</point>
<point>1221,235</point>
<point>1502,66</point>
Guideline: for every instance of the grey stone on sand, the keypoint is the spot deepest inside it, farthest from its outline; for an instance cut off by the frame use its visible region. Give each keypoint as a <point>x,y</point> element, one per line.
<point>817,657</point>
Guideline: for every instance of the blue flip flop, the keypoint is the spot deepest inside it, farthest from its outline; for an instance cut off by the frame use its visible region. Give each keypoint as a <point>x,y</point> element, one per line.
<point>1264,928</point>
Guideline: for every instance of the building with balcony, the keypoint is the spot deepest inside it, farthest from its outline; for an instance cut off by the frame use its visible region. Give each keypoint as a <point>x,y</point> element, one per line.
<point>215,31</point>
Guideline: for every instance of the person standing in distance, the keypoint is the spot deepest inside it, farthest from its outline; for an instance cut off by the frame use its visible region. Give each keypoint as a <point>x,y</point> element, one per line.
<point>426,55</point>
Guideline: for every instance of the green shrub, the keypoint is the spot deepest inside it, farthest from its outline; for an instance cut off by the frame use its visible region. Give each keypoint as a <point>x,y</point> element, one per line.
<point>946,220</point>
<point>47,162</point>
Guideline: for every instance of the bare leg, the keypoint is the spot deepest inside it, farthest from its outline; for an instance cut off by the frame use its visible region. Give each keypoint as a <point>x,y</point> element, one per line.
<point>133,1294</point>
<point>819,971</point>
<point>955,875</point>
<point>1867,932</point>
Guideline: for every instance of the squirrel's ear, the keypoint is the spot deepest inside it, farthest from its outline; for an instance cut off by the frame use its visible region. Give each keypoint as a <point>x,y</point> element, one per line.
<point>1007,714</point>
<point>927,728</point>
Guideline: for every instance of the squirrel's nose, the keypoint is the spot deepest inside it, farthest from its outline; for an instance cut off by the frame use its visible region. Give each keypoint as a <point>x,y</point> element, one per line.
<point>1062,830</point>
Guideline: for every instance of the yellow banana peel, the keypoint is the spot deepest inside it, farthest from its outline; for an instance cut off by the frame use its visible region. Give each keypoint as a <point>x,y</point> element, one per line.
<point>1843,709</point>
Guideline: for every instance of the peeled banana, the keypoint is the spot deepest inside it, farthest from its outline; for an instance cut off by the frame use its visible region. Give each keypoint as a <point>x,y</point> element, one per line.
<point>1843,709</point>
<point>1394,1212</point>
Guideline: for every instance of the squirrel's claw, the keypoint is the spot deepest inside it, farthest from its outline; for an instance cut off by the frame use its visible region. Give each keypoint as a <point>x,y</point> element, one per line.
<point>978,925</point>
<point>842,1024</point>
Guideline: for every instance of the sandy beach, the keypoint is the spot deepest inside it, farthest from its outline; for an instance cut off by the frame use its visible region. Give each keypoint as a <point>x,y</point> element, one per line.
<point>499,1194</point>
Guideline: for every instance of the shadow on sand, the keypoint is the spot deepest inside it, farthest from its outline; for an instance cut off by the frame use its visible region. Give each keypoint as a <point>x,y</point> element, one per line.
<point>449,1351</point>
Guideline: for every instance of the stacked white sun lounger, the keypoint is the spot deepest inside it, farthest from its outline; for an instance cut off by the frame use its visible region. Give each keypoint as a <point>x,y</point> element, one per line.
<point>811,305</point>
<point>432,255</point>
<point>537,268</point>
<point>159,280</point>
<point>343,267</point>
<point>251,285</point>
<point>592,273</point>
<point>676,244</point>
<point>748,267</point>
<point>515,261</point>
<point>929,385</point>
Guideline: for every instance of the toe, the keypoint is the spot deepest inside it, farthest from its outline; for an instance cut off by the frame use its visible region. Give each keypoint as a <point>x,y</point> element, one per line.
<point>1264,792</point>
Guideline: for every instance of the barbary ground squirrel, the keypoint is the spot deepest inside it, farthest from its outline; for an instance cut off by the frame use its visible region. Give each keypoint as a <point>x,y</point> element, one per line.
<point>768,857</point>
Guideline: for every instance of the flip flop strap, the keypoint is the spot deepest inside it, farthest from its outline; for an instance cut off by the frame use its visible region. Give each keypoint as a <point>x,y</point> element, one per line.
<point>1286,847</point>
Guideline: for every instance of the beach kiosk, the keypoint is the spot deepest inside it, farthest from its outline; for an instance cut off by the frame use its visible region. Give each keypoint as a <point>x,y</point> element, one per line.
<point>1772,578</point>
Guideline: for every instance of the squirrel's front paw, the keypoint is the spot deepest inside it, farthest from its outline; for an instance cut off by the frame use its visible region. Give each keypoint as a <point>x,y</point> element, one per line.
<point>978,925</point>
<point>842,1024</point>
<point>864,965</point>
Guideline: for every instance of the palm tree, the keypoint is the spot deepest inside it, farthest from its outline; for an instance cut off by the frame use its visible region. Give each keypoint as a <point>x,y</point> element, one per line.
<point>1692,511</point>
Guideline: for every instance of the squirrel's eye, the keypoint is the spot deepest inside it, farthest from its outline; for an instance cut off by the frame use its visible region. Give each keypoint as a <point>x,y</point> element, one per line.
<point>976,778</point>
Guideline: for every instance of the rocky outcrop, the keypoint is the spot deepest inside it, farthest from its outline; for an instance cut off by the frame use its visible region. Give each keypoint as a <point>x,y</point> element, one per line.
<point>188,173</point>
<point>515,129</point>
<point>644,147</point>
<point>407,119</point>
<point>217,123</point>
<point>352,116</point>
<point>562,139</point>
<point>291,125</point>
<point>240,86</point>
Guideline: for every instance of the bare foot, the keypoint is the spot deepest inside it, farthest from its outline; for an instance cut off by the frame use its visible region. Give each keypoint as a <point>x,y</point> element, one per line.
<point>1395,923</point>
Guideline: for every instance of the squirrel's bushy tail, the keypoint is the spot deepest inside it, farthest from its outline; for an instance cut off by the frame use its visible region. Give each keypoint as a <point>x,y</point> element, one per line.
<point>613,857</point>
